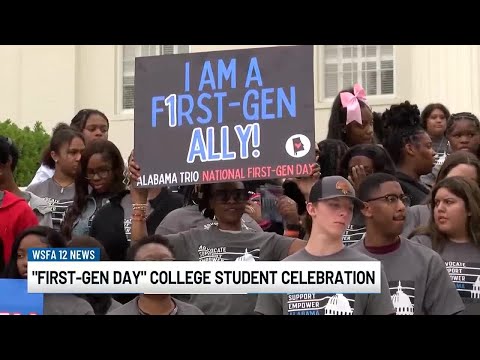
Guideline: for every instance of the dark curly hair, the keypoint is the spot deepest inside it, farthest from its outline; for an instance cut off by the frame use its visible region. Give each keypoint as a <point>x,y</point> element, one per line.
<point>403,125</point>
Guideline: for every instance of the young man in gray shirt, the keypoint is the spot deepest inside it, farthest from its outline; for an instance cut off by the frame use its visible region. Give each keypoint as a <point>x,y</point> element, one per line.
<point>331,204</point>
<point>418,279</point>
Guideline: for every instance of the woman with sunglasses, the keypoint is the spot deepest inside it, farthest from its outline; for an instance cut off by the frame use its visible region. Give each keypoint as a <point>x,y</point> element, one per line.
<point>223,241</point>
<point>100,177</point>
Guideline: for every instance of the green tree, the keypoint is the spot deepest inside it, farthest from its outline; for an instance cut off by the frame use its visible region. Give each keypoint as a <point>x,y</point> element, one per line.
<point>30,144</point>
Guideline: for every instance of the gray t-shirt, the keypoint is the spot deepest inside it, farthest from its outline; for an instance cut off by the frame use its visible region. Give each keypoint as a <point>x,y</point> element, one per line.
<point>416,216</point>
<point>57,197</point>
<point>66,304</point>
<point>355,231</point>
<point>190,217</point>
<point>131,308</point>
<point>328,304</point>
<point>463,265</point>
<point>216,245</point>
<point>418,279</point>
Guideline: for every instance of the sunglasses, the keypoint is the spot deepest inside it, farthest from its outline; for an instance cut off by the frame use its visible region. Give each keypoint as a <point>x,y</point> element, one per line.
<point>238,195</point>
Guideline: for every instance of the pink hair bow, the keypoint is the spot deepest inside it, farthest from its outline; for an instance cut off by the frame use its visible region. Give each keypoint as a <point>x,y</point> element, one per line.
<point>350,101</point>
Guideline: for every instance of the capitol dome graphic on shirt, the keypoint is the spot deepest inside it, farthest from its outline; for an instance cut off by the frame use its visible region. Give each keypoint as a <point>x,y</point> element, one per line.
<point>338,305</point>
<point>245,257</point>
<point>475,294</point>
<point>401,302</point>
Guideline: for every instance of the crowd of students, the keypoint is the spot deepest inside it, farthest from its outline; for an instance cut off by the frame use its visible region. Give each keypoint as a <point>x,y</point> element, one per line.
<point>400,186</point>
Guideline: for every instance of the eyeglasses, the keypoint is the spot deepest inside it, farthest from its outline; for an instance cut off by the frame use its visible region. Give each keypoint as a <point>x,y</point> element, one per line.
<point>102,174</point>
<point>238,195</point>
<point>393,199</point>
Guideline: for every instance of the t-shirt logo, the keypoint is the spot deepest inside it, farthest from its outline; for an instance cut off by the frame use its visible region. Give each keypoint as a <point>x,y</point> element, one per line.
<point>466,277</point>
<point>320,304</point>
<point>476,289</point>
<point>224,253</point>
<point>343,187</point>
<point>245,257</point>
<point>127,227</point>
<point>353,234</point>
<point>403,296</point>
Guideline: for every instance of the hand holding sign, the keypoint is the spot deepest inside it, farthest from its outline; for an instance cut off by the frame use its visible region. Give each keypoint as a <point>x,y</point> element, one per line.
<point>305,184</point>
<point>139,195</point>
<point>288,209</point>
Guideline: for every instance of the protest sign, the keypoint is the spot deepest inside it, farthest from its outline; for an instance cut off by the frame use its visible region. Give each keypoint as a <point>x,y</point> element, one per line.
<point>222,116</point>
<point>15,299</point>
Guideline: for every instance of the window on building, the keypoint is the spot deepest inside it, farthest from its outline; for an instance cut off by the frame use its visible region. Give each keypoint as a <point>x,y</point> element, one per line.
<point>372,66</point>
<point>129,53</point>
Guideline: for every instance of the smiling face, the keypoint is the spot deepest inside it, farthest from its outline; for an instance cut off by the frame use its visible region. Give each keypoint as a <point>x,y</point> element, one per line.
<point>99,173</point>
<point>228,201</point>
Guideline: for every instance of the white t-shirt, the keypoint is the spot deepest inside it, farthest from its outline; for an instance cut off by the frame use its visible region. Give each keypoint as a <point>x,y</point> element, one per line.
<point>43,173</point>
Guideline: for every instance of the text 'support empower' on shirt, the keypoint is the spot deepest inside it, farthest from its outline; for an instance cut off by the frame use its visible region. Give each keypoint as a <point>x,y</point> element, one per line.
<point>217,245</point>
<point>328,304</point>
<point>463,264</point>
<point>57,197</point>
<point>418,280</point>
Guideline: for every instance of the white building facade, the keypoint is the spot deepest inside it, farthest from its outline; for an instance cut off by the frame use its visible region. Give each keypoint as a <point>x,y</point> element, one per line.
<point>51,83</point>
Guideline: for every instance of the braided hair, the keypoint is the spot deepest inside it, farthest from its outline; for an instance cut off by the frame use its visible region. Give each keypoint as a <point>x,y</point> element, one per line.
<point>454,118</point>
<point>331,152</point>
<point>461,116</point>
<point>79,121</point>
<point>403,125</point>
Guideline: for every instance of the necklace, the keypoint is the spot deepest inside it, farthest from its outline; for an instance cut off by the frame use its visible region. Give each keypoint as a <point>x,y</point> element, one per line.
<point>62,188</point>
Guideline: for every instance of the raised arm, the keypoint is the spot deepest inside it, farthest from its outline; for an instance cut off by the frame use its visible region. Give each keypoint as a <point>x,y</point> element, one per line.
<point>139,202</point>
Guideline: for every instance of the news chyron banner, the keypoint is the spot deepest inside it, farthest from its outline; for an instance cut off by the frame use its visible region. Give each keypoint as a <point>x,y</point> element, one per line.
<point>80,271</point>
<point>225,116</point>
